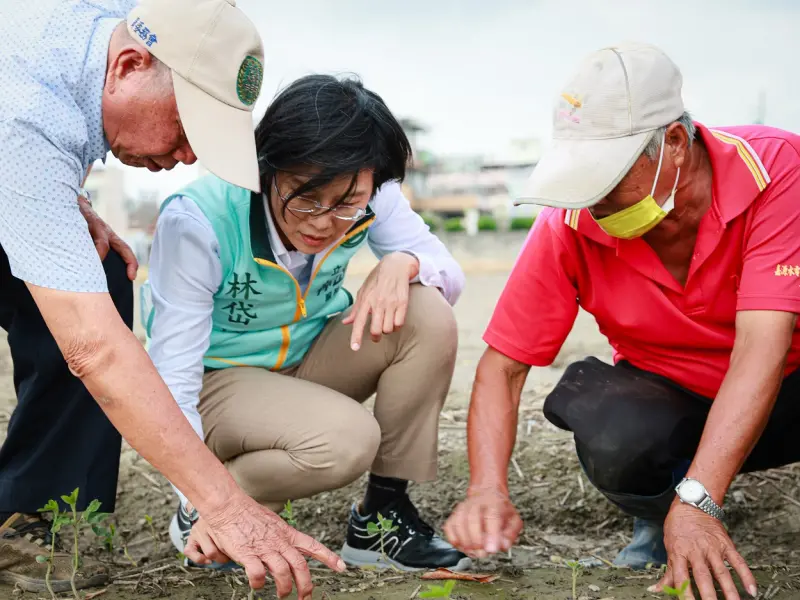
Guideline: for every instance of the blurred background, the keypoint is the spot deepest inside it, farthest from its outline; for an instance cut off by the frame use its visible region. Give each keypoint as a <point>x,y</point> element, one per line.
<point>474,82</point>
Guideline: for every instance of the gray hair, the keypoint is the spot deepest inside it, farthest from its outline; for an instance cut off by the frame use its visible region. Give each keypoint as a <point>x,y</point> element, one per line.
<point>653,147</point>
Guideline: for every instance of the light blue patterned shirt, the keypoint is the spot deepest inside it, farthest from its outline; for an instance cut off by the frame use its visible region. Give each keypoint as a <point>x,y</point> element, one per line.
<point>53,56</point>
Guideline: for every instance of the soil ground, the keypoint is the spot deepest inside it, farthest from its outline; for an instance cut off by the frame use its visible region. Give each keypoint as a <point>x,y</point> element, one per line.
<point>565,518</point>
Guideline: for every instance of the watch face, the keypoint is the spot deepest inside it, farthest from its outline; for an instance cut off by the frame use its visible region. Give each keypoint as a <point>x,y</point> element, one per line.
<point>692,491</point>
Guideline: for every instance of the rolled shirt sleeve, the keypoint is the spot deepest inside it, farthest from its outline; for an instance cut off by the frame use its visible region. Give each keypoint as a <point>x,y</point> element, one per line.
<point>42,231</point>
<point>539,302</point>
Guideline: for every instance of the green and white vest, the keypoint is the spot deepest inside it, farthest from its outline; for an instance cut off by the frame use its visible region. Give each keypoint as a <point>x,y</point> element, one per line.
<point>261,318</point>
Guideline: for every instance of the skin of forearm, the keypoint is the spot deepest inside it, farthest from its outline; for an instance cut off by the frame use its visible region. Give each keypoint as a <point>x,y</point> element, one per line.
<point>116,370</point>
<point>492,421</point>
<point>139,404</point>
<point>740,411</point>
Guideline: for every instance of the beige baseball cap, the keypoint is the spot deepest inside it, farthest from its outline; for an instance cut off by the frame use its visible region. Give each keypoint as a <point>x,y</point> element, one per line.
<point>602,121</point>
<point>217,62</point>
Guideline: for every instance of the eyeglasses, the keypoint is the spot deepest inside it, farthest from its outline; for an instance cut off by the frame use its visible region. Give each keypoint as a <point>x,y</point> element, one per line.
<point>306,207</point>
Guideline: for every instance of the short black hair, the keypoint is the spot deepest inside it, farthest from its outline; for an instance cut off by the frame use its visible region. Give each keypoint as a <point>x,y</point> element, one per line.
<point>325,127</point>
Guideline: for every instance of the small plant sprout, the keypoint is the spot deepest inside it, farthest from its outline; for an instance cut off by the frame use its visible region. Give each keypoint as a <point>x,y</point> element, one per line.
<point>383,528</point>
<point>288,514</point>
<point>679,593</point>
<point>439,591</point>
<point>153,534</point>
<point>576,572</point>
<point>107,534</point>
<point>90,516</point>
<point>59,520</point>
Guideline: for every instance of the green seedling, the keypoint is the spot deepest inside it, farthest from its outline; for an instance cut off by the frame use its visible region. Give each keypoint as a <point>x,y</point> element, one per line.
<point>679,593</point>
<point>288,514</point>
<point>107,535</point>
<point>439,591</point>
<point>383,528</point>
<point>59,520</point>
<point>91,516</point>
<point>153,534</point>
<point>577,568</point>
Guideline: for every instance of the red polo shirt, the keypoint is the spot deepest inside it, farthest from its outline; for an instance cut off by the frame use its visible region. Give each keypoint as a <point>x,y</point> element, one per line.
<point>747,257</point>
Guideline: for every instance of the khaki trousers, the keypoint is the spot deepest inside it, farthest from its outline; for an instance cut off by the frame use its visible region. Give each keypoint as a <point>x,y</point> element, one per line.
<point>302,431</point>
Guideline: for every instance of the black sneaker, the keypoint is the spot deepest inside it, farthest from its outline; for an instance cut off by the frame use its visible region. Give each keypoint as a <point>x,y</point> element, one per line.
<point>412,546</point>
<point>179,530</point>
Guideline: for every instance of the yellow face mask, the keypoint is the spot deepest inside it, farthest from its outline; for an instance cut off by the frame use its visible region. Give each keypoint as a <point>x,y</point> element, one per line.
<point>636,220</point>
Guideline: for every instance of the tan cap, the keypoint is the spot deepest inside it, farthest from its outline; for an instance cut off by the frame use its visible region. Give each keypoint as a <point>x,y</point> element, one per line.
<point>217,62</point>
<point>602,121</point>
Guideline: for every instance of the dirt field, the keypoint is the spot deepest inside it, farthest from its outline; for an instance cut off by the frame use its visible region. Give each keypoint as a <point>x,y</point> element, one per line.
<point>564,516</point>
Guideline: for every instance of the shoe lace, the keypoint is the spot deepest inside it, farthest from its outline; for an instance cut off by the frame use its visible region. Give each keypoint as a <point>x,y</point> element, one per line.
<point>407,515</point>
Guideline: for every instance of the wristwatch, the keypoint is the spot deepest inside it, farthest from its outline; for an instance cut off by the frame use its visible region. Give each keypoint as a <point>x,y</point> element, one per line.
<point>692,492</point>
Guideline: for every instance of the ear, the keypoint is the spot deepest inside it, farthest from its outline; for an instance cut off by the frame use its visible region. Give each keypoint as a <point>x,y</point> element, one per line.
<point>677,144</point>
<point>130,59</point>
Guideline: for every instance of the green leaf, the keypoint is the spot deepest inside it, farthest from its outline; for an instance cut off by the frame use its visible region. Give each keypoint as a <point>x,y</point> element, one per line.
<point>42,559</point>
<point>97,517</point>
<point>93,507</point>
<point>51,506</point>
<point>372,528</point>
<point>149,519</point>
<point>684,586</point>
<point>100,531</point>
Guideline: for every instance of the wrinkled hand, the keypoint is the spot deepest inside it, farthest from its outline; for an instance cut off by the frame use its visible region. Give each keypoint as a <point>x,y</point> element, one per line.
<point>385,296</point>
<point>699,541</point>
<point>255,537</point>
<point>105,238</point>
<point>483,524</point>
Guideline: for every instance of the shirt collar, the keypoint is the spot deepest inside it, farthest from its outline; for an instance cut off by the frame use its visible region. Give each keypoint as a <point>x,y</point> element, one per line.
<point>278,248</point>
<point>738,175</point>
<point>93,80</point>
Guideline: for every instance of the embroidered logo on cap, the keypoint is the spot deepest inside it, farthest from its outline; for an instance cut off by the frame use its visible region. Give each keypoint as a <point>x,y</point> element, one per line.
<point>148,37</point>
<point>248,83</point>
<point>574,104</point>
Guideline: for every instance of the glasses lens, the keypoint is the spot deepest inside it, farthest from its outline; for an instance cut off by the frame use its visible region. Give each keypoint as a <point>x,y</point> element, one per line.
<point>302,205</point>
<point>348,212</point>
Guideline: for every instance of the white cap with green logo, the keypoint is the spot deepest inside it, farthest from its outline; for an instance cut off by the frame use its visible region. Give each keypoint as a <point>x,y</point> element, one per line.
<point>217,62</point>
<point>603,119</point>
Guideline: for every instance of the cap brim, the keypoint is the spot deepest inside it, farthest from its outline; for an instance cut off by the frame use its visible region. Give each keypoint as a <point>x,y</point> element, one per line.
<point>221,136</point>
<point>579,173</point>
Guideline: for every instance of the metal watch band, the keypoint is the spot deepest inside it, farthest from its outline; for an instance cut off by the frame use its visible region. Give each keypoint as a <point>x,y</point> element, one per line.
<point>708,506</point>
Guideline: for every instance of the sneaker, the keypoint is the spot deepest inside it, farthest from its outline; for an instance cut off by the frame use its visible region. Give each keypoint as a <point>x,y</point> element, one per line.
<point>646,548</point>
<point>413,546</point>
<point>179,529</point>
<point>22,539</point>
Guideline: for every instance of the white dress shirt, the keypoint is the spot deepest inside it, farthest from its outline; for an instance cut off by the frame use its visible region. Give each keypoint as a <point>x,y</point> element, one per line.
<point>185,273</point>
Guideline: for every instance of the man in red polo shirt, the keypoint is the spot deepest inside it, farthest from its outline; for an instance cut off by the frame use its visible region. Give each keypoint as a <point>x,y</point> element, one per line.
<point>684,243</point>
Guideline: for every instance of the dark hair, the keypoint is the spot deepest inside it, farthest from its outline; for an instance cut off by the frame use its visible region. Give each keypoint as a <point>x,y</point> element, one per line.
<point>324,127</point>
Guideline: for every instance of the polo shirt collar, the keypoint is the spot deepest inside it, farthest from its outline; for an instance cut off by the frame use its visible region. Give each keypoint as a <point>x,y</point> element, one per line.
<point>738,175</point>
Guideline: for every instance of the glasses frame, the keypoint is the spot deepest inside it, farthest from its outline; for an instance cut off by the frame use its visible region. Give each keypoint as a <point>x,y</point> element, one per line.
<point>317,207</point>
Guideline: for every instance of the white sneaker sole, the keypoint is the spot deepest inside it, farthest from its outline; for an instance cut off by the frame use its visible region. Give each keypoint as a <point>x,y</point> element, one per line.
<point>369,558</point>
<point>177,541</point>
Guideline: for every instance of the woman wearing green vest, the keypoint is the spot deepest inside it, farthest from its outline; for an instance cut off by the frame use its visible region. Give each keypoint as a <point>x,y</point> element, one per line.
<point>270,358</point>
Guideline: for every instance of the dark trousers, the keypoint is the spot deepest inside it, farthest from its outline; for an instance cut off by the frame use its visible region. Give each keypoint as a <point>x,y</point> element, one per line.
<point>58,438</point>
<point>636,433</point>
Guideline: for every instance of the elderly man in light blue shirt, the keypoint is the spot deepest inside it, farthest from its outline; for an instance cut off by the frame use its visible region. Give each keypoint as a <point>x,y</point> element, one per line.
<point>156,84</point>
